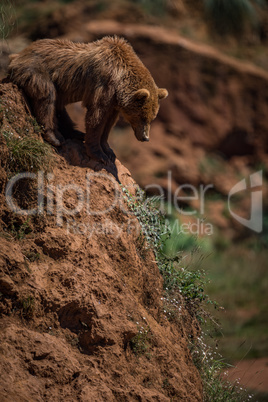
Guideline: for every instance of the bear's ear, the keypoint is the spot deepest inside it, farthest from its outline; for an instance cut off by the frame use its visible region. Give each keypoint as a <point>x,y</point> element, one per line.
<point>162,93</point>
<point>141,94</point>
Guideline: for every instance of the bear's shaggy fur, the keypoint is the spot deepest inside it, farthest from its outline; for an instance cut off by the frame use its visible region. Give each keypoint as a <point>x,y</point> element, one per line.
<point>106,75</point>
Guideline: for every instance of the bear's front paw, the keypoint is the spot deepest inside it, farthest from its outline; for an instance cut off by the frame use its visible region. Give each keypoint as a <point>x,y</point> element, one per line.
<point>104,159</point>
<point>59,137</point>
<point>50,137</point>
<point>110,153</point>
<point>99,156</point>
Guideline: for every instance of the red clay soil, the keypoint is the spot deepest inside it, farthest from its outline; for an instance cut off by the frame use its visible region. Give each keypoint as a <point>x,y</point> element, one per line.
<point>81,310</point>
<point>211,129</point>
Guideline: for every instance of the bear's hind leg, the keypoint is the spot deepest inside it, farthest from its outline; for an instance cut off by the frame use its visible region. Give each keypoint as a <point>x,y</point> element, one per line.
<point>42,95</point>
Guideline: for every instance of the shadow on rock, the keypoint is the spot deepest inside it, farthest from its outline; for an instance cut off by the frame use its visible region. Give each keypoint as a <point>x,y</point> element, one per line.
<point>75,153</point>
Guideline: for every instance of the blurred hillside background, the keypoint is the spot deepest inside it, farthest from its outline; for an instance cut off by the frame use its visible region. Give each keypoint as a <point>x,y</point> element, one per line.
<point>212,56</point>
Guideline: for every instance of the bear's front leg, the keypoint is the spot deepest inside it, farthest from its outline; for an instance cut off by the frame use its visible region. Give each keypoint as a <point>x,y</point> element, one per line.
<point>93,139</point>
<point>96,153</point>
<point>110,122</point>
<point>109,152</point>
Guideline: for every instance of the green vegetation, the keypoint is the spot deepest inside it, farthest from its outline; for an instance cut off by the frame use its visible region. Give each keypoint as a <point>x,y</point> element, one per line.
<point>20,230</point>
<point>141,343</point>
<point>210,366</point>
<point>27,306</point>
<point>27,154</point>
<point>182,278</point>
<point>180,271</point>
<point>32,255</point>
<point>237,280</point>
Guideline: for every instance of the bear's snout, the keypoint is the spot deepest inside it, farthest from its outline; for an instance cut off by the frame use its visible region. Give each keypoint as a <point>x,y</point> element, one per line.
<point>142,133</point>
<point>145,139</point>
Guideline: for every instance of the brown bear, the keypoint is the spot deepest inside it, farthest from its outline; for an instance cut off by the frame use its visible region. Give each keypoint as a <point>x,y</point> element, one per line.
<point>106,75</point>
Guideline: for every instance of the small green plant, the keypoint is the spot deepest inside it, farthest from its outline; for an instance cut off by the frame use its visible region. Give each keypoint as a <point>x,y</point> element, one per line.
<point>32,255</point>
<point>19,231</point>
<point>184,279</point>
<point>141,245</point>
<point>27,307</point>
<point>141,343</point>
<point>150,217</point>
<point>165,384</point>
<point>172,308</point>
<point>35,125</point>
<point>28,154</point>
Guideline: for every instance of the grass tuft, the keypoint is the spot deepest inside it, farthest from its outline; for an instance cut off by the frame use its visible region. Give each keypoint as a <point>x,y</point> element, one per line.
<point>28,154</point>
<point>178,277</point>
<point>27,307</point>
<point>141,343</point>
<point>211,366</point>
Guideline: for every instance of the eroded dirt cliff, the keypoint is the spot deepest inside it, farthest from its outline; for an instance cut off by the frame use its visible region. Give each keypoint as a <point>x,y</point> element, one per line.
<point>82,316</point>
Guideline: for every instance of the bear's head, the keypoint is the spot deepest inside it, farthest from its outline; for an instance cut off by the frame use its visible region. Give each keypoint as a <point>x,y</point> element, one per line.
<point>142,108</point>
